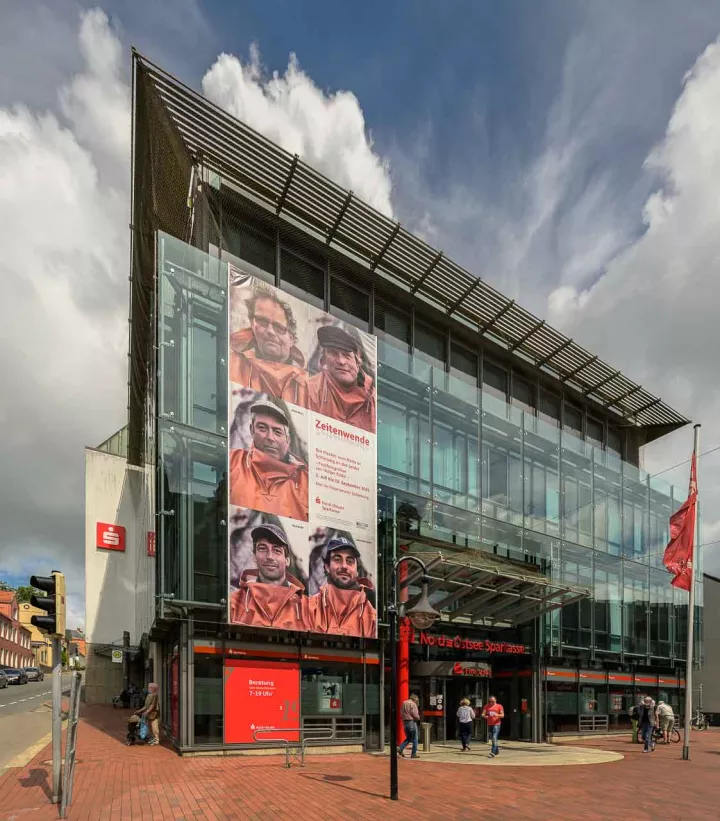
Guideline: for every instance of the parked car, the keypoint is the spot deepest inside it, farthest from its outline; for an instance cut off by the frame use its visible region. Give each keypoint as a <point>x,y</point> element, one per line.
<point>3,680</point>
<point>34,673</point>
<point>15,676</point>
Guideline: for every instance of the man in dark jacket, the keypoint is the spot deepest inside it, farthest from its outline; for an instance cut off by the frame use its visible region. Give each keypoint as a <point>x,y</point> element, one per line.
<point>647,722</point>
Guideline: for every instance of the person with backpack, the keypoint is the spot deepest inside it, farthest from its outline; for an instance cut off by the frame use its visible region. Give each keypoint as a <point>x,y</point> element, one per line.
<point>667,719</point>
<point>647,723</point>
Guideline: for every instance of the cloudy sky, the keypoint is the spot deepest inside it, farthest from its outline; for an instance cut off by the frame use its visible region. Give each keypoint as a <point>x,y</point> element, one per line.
<point>567,151</point>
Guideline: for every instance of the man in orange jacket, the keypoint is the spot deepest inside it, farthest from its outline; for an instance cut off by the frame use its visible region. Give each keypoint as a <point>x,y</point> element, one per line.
<point>268,477</point>
<point>342,390</point>
<point>341,607</point>
<point>270,596</point>
<point>264,356</point>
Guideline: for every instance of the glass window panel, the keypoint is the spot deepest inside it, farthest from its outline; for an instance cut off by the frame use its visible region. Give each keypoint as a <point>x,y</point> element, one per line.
<point>302,279</point>
<point>495,380</point>
<point>636,602</point>
<point>502,468</point>
<point>245,243</point>
<point>523,393</point>
<point>430,346</point>
<point>549,408</point>
<point>404,435</point>
<point>577,506</point>
<point>595,431</point>
<point>608,602</point>
<point>349,304</point>
<point>193,336</point>
<point>208,699</point>
<point>572,419</point>
<point>392,326</point>
<point>464,364</point>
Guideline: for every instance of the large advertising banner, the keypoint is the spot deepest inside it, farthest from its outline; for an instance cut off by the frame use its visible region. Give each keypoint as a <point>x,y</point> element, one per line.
<point>302,465</point>
<point>261,696</point>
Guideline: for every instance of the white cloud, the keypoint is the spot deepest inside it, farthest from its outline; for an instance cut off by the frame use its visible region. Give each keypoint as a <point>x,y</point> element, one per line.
<point>63,231</point>
<point>326,130</point>
<point>654,311</point>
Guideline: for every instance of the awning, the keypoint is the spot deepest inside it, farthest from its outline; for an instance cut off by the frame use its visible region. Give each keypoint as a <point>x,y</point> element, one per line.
<point>472,587</point>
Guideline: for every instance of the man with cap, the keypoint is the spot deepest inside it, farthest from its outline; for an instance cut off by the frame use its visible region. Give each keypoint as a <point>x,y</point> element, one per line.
<point>341,607</point>
<point>265,356</point>
<point>268,477</point>
<point>342,390</point>
<point>270,596</point>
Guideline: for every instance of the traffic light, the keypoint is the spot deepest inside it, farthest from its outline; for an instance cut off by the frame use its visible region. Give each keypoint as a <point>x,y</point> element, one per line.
<point>53,603</point>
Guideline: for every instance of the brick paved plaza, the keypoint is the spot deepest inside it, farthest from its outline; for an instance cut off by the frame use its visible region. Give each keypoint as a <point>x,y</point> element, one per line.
<point>117,782</point>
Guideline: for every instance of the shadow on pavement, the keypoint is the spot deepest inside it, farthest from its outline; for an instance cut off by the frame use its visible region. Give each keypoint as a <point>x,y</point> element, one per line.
<point>334,781</point>
<point>37,778</point>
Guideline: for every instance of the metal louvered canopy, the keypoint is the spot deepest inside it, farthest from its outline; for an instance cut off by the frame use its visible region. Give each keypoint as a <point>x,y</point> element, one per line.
<point>284,185</point>
<point>472,587</point>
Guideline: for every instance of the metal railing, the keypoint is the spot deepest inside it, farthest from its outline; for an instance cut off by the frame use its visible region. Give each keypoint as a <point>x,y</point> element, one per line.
<point>294,750</point>
<point>594,724</point>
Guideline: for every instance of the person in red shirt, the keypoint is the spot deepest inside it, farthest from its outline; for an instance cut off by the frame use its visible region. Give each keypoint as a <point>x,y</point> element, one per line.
<point>494,713</point>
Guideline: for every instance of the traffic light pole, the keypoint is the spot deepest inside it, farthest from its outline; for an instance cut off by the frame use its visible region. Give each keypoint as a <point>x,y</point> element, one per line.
<point>56,718</point>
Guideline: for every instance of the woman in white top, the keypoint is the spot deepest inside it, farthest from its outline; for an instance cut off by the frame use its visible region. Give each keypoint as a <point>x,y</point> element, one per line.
<point>465,715</point>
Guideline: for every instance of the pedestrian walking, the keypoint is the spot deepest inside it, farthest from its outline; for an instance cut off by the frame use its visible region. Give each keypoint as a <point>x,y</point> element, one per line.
<point>666,717</point>
<point>647,722</point>
<point>494,714</point>
<point>410,716</point>
<point>465,715</point>
<point>633,713</point>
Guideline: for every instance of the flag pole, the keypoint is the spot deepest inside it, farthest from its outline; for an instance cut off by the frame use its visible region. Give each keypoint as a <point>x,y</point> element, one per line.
<point>691,615</point>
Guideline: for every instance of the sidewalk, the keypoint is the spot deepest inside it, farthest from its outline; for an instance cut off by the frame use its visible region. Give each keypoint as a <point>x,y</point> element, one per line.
<point>118,782</point>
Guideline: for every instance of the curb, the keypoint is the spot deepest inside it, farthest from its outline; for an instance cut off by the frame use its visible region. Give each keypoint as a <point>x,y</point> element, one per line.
<point>27,755</point>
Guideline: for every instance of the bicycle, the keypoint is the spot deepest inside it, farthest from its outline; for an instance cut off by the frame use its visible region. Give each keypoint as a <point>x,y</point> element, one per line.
<point>699,721</point>
<point>657,736</point>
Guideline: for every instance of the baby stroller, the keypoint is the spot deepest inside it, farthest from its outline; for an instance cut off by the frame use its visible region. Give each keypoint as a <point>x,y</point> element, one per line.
<point>138,730</point>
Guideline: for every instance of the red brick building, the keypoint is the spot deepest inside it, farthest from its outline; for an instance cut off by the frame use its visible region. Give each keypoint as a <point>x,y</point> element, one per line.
<point>15,647</point>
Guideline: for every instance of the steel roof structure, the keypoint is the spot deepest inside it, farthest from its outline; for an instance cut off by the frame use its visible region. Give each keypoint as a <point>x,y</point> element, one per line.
<point>284,185</point>
<point>471,587</point>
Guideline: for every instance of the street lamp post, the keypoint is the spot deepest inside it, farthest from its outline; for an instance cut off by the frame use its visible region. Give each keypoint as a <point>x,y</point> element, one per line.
<point>422,616</point>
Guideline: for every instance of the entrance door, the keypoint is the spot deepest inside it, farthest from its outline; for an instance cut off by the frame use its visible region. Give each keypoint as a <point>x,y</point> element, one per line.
<point>505,691</point>
<point>457,689</point>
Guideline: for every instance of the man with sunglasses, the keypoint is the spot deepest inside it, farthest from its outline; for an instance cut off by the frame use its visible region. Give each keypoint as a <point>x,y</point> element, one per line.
<point>265,356</point>
<point>269,596</point>
<point>267,476</point>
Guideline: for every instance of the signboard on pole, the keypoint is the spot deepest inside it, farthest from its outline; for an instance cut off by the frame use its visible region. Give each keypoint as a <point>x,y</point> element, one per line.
<point>117,656</point>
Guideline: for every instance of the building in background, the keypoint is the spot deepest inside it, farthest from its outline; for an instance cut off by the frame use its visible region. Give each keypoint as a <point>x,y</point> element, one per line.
<point>15,638</point>
<point>40,642</point>
<point>706,684</point>
<point>502,453</point>
<point>119,571</point>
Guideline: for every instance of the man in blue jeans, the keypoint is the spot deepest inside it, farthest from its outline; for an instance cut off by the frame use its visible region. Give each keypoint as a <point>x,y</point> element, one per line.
<point>410,716</point>
<point>494,714</point>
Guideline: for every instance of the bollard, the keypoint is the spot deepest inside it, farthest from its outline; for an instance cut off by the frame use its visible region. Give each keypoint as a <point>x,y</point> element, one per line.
<point>426,727</point>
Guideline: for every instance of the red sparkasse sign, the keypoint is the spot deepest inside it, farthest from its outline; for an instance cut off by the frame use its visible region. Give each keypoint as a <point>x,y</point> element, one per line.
<point>110,537</point>
<point>463,643</point>
<point>261,695</point>
<point>151,543</point>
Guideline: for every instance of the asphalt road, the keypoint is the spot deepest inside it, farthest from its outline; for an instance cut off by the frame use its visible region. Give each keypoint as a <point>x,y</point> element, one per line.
<point>24,717</point>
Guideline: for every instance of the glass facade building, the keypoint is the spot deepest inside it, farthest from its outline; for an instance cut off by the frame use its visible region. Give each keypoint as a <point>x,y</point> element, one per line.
<point>481,452</point>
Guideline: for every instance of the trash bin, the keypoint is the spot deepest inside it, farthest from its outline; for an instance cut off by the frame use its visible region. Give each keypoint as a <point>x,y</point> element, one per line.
<point>426,727</point>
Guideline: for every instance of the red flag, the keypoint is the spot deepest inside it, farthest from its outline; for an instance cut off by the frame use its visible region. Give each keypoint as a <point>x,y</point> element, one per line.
<point>678,556</point>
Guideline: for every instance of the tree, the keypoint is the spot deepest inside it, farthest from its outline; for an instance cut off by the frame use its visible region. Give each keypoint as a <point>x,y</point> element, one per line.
<point>24,592</point>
